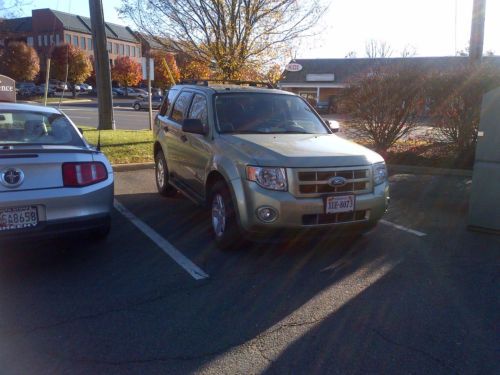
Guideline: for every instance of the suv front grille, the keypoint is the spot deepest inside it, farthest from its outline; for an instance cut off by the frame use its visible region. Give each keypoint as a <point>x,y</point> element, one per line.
<point>315,182</point>
<point>343,217</point>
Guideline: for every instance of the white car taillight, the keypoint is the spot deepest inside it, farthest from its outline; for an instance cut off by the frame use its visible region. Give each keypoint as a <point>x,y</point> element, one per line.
<point>83,174</point>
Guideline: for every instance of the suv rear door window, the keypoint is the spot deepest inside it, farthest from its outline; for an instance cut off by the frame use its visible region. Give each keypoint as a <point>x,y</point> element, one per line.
<point>167,103</point>
<point>180,107</point>
<point>199,109</point>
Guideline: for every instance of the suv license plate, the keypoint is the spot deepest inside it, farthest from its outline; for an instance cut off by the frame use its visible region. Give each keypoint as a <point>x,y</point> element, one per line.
<point>339,203</point>
<point>18,218</point>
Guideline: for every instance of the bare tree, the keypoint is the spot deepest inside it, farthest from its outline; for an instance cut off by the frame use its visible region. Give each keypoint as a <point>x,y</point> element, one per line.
<point>377,48</point>
<point>11,8</point>
<point>408,51</point>
<point>385,105</point>
<point>231,34</point>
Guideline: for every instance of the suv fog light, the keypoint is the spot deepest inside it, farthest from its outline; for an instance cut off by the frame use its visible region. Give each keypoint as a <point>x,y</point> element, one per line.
<point>267,214</point>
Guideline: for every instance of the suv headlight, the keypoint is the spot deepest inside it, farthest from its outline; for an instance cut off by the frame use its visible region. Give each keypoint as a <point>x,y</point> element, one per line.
<point>379,173</point>
<point>268,178</point>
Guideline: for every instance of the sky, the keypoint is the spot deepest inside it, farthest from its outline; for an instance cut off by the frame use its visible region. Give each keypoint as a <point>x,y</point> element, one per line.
<point>428,26</point>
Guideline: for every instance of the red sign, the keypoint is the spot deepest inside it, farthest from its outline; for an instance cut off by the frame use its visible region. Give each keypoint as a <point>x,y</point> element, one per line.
<point>293,67</point>
<point>7,89</point>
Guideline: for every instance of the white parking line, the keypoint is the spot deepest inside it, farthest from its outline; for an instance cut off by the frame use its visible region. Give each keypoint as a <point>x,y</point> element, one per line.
<point>400,227</point>
<point>191,268</point>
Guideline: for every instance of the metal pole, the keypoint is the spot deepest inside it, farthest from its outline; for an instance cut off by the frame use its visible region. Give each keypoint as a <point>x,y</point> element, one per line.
<point>47,74</point>
<point>477,31</point>
<point>150,102</point>
<point>103,73</point>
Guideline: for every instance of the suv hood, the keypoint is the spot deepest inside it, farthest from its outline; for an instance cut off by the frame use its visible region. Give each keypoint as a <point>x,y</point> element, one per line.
<point>301,150</point>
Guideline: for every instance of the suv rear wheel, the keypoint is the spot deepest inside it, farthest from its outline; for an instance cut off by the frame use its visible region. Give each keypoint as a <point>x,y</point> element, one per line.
<point>223,217</point>
<point>161,176</point>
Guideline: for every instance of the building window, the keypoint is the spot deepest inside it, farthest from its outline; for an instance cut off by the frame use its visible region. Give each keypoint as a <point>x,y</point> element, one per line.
<point>111,62</point>
<point>58,39</point>
<point>39,40</point>
<point>83,45</point>
<point>122,49</point>
<point>138,51</point>
<point>45,40</point>
<point>133,51</point>
<point>75,40</point>
<point>30,41</point>
<point>128,50</point>
<point>110,47</point>
<point>67,38</point>
<point>52,39</point>
<point>117,48</point>
<point>89,44</point>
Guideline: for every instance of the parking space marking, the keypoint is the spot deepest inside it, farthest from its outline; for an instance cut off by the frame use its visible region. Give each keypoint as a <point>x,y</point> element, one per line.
<point>400,227</point>
<point>169,249</point>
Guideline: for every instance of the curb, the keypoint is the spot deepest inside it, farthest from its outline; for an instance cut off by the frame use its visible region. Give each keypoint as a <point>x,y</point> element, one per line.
<point>397,168</point>
<point>132,167</point>
<point>393,168</point>
<point>56,103</point>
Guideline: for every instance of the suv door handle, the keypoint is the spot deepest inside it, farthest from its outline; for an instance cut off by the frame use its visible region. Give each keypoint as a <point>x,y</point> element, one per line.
<point>184,138</point>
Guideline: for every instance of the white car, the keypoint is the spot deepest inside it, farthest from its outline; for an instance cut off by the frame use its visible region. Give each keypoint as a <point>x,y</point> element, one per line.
<point>52,182</point>
<point>85,87</point>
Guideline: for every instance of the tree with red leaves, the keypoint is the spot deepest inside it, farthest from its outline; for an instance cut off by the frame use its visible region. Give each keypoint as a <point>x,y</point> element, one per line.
<point>19,61</point>
<point>127,72</point>
<point>70,60</point>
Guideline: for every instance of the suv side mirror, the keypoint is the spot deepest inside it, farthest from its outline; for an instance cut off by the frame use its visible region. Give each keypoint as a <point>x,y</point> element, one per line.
<point>333,125</point>
<point>193,125</point>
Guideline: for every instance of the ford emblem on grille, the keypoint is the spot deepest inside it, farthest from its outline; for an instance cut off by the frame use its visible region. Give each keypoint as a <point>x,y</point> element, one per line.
<point>11,177</point>
<point>337,181</point>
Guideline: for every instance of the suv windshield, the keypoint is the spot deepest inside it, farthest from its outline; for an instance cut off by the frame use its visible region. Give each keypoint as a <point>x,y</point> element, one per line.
<point>266,113</point>
<point>28,128</point>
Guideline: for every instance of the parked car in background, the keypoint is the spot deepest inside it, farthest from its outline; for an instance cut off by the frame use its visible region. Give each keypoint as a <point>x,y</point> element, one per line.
<point>130,92</point>
<point>141,93</point>
<point>143,103</point>
<point>264,163</point>
<point>322,107</point>
<point>57,85</point>
<point>52,182</point>
<point>26,89</point>
<point>85,87</point>
<point>40,90</point>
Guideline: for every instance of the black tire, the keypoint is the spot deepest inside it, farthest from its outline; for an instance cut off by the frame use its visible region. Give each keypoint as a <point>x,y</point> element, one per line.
<point>227,234</point>
<point>137,106</point>
<point>161,176</point>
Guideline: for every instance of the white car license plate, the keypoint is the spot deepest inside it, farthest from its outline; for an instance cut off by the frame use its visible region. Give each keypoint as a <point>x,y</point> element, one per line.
<point>339,203</point>
<point>18,217</point>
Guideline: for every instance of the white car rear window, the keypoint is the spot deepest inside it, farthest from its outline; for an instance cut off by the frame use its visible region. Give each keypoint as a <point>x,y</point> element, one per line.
<point>23,127</point>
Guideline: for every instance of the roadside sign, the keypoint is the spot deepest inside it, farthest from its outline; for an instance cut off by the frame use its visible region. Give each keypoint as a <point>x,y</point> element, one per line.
<point>151,69</point>
<point>293,67</point>
<point>7,89</point>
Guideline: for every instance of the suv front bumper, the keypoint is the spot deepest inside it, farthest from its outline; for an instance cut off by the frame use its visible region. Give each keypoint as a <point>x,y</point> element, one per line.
<point>303,213</point>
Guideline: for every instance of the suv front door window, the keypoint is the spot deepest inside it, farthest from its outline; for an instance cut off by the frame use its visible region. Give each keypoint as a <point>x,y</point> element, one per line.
<point>198,147</point>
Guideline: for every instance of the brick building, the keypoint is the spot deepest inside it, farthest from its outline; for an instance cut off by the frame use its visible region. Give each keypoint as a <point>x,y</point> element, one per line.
<point>47,28</point>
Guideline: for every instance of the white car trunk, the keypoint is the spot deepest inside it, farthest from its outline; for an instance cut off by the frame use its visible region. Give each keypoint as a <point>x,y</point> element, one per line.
<point>42,169</point>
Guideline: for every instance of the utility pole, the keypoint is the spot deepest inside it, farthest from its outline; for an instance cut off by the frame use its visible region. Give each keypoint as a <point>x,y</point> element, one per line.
<point>103,72</point>
<point>47,75</point>
<point>477,31</point>
<point>148,77</point>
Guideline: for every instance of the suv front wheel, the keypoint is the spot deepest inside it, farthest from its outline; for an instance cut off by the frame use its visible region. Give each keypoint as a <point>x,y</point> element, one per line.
<point>223,217</point>
<point>161,176</point>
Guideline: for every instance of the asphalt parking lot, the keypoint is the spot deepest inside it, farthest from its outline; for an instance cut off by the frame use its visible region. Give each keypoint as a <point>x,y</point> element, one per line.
<point>418,294</point>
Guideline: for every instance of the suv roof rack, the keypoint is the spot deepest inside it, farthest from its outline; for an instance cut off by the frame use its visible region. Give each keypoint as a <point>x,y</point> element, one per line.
<point>206,82</point>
